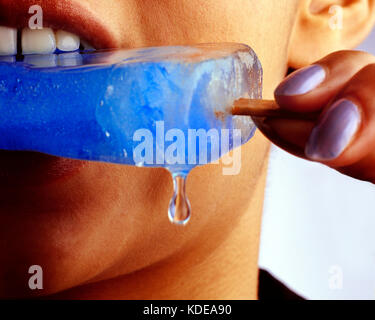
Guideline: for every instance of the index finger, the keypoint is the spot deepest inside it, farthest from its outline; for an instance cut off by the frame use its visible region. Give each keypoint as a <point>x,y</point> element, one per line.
<point>311,88</point>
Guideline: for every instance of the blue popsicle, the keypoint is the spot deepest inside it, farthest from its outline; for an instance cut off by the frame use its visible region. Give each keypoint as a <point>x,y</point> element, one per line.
<point>137,107</point>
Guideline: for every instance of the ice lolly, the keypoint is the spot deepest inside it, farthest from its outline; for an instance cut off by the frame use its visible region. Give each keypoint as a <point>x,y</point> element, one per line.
<point>137,107</point>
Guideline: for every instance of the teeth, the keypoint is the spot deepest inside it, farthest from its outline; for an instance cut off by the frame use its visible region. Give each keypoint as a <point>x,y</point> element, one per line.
<point>38,41</point>
<point>67,41</point>
<point>8,41</point>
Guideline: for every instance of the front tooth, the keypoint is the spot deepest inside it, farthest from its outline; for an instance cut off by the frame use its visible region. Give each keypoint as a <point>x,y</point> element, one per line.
<point>38,41</point>
<point>67,41</point>
<point>8,41</point>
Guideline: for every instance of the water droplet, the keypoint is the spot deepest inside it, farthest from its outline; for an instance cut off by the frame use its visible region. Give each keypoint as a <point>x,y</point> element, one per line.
<point>179,207</point>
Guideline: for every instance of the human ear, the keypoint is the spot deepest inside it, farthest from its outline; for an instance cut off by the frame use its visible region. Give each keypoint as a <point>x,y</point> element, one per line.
<point>324,26</point>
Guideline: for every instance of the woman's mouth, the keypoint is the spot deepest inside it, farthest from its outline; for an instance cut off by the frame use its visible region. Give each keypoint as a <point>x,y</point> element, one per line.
<point>67,26</point>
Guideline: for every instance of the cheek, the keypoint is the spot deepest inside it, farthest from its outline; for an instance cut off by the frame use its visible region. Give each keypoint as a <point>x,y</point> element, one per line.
<point>102,222</point>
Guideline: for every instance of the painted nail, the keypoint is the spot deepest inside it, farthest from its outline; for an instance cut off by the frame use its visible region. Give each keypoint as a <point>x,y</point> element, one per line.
<point>301,81</point>
<point>334,131</point>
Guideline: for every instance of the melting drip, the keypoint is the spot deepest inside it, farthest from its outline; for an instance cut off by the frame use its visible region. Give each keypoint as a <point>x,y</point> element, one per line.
<point>179,207</point>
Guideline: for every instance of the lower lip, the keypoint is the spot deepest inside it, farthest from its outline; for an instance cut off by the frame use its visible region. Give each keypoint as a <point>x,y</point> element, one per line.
<point>28,169</point>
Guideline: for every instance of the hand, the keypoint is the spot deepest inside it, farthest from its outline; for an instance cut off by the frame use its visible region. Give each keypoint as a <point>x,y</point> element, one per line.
<point>341,87</point>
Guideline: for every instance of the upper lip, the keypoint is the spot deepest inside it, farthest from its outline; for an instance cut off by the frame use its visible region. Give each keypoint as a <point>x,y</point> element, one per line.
<point>68,15</point>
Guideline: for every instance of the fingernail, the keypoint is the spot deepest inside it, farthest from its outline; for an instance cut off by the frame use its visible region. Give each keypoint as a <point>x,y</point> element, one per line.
<point>334,131</point>
<point>301,81</point>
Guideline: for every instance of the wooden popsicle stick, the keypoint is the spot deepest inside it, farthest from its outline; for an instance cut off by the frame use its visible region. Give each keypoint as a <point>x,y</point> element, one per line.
<point>267,108</point>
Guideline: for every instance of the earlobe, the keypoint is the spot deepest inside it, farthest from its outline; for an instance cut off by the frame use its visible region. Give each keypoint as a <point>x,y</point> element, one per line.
<point>325,26</point>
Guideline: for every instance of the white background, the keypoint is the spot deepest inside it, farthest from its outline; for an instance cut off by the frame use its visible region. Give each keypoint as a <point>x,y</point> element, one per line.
<point>318,230</point>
